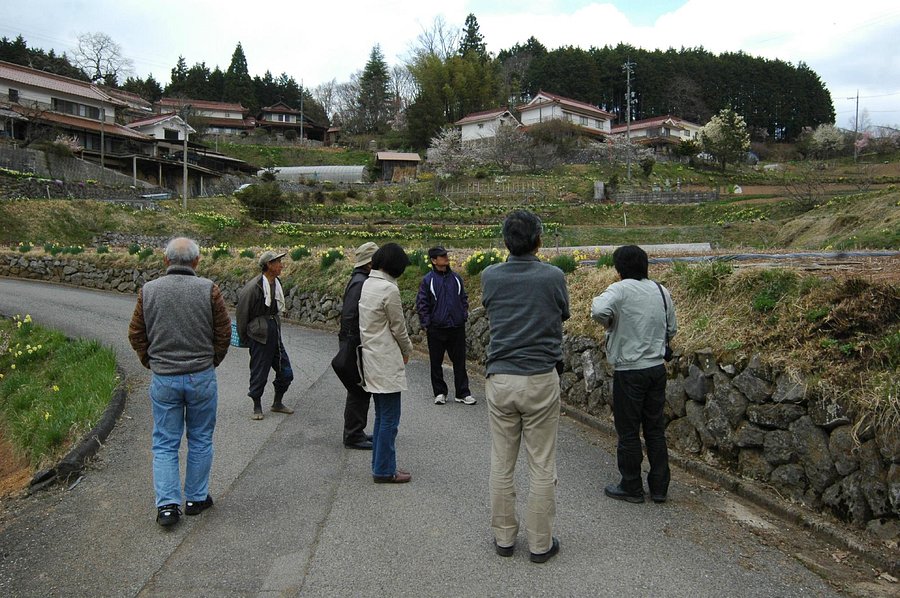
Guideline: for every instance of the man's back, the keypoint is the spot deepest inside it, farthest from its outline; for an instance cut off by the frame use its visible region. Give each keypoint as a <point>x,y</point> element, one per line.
<point>178,313</point>
<point>527,302</point>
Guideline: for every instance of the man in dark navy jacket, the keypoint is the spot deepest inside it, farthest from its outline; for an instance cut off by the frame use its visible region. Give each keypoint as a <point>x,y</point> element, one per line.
<point>443,308</point>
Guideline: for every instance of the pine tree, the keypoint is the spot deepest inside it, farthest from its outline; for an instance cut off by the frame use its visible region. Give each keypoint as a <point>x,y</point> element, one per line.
<point>373,104</point>
<point>238,84</point>
<point>472,41</point>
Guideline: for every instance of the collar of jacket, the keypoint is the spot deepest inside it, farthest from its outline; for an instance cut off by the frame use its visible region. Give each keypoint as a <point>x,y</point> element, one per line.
<point>179,269</point>
<point>383,275</point>
<point>528,257</point>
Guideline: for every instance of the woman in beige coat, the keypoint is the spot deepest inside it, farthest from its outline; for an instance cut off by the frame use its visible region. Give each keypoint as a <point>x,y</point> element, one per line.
<point>385,351</point>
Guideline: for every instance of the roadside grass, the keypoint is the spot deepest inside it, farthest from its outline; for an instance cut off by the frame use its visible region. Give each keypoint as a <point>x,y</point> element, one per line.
<point>52,390</point>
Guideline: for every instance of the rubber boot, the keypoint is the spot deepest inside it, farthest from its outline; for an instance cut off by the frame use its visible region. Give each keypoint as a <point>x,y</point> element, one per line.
<point>278,406</point>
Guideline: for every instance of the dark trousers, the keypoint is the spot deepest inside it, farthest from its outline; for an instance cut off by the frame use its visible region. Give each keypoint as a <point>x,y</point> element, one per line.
<point>269,356</point>
<point>356,413</point>
<point>453,342</point>
<point>638,400</point>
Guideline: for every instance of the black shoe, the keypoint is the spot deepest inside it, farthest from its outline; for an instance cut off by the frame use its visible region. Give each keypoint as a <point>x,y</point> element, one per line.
<point>504,550</point>
<point>192,507</point>
<point>543,557</point>
<point>369,437</point>
<point>362,445</point>
<point>658,498</point>
<point>167,515</point>
<point>615,491</point>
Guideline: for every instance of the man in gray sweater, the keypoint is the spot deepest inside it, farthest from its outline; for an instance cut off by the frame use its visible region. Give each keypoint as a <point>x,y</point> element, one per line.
<point>180,330</point>
<point>527,302</point>
<point>640,319</point>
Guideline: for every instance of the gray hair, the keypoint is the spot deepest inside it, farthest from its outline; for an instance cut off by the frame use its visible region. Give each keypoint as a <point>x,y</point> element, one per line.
<point>182,251</point>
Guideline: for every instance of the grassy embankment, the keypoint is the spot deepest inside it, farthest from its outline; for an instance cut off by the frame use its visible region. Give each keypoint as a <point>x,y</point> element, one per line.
<point>52,389</point>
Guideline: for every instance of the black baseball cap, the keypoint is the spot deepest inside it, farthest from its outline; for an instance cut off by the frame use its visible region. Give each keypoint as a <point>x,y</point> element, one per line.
<point>436,251</point>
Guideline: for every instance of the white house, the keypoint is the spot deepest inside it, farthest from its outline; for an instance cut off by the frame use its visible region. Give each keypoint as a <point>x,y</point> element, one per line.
<point>78,109</point>
<point>168,128</point>
<point>223,118</point>
<point>660,132</point>
<point>547,106</point>
<point>483,125</point>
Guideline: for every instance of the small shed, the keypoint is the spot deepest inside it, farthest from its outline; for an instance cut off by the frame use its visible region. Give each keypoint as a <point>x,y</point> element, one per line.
<point>397,167</point>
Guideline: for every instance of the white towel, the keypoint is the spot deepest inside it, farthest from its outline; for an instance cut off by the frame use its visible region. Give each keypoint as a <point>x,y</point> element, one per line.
<point>279,294</point>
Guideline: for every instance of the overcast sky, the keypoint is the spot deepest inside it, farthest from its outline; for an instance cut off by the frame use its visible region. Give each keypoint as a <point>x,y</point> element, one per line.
<point>853,46</point>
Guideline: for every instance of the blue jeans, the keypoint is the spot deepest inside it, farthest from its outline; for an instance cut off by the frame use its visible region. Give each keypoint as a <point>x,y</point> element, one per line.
<point>384,433</point>
<point>177,400</point>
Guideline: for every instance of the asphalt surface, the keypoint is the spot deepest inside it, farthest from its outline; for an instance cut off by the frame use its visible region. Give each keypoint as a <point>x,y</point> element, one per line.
<point>297,514</point>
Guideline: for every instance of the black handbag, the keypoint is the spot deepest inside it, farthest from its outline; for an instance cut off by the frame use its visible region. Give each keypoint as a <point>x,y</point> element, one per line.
<point>668,354</point>
<point>344,364</point>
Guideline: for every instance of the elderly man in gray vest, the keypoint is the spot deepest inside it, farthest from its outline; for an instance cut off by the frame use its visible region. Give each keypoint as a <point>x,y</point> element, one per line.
<point>180,330</point>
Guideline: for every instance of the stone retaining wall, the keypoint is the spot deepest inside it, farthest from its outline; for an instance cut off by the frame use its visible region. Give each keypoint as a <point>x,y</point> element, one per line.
<point>747,418</point>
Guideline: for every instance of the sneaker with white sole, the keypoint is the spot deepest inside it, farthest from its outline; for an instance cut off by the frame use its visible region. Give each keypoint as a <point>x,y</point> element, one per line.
<point>440,400</point>
<point>468,400</point>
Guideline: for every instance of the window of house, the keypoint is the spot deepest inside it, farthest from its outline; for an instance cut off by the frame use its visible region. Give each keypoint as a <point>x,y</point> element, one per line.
<point>75,108</point>
<point>170,134</point>
<point>598,124</point>
<point>582,120</point>
<point>14,95</point>
<point>480,125</point>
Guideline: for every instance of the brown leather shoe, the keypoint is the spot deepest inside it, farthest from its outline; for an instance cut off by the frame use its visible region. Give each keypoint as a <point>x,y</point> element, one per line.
<point>401,477</point>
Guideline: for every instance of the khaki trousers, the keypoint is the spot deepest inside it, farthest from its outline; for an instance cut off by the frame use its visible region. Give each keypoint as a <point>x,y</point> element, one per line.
<point>523,408</point>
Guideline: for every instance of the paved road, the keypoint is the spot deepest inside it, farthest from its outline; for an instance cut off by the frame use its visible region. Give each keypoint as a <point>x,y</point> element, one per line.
<point>296,514</point>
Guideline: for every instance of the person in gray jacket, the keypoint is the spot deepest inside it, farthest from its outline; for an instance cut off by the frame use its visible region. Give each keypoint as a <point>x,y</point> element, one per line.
<point>180,330</point>
<point>526,302</point>
<point>640,319</point>
<point>259,325</point>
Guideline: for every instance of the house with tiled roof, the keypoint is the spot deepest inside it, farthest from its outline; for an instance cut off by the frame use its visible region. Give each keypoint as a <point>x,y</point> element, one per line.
<point>280,118</point>
<point>484,125</point>
<point>36,101</point>
<point>546,106</point>
<point>219,118</point>
<point>660,133</point>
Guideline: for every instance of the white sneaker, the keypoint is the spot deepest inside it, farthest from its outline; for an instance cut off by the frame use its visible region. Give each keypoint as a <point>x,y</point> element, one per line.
<point>468,400</point>
<point>440,400</point>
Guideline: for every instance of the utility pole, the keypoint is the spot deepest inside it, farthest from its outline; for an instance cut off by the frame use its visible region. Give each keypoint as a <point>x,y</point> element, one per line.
<point>102,143</point>
<point>856,129</point>
<point>628,67</point>
<point>184,156</point>
<point>301,111</point>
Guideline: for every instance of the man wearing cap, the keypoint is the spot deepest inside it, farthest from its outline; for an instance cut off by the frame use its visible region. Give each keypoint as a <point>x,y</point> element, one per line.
<point>259,304</point>
<point>356,409</point>
<point>443,308</point>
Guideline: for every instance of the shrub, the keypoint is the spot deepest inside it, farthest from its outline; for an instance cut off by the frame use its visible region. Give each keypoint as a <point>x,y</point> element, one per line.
<point>299,252</point>
<point>133,249</point>
<point>565,262</point>
<point>704,279</point>
<point>247,253</point>
<point>24,247</point>
<point>647,165</point>
<point>145,253</point>
<point>102,248</point>
<point>480,260</point>
<point>330,256</point>
<point>263,200</point>
<point>772,286</point>
<point>220,251</point>
<point>419,259</point>
<point>604,260</point>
